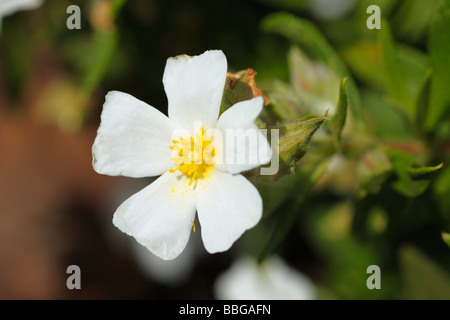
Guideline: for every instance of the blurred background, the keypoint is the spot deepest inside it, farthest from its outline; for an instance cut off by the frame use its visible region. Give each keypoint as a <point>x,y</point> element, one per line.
<point>376,193</point>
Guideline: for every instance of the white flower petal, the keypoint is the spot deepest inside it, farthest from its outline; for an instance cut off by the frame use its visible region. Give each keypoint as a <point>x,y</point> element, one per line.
<point>159,216</point>
<point>194,88</point>
<point>133,139</point>
<point>227,206</point>
<point>246,147</point>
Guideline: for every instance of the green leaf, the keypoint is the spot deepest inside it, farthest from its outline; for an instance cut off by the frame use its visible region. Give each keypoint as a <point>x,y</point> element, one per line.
<point>305,34</point>
<point>412,181</point>
<point>446,238</point>
<point>338,120</point>
<point>116,6</point>
<point>284,102</point>
<point>422,171</point>
<point>104,47</point>
<point>439,48</point>
<point>423,96</point>
<point>398,69</point>
<point>422,278</point>
<point>412,18</point>
<point>364,59</point>
<point>373,169</point>
<point>396,83</point>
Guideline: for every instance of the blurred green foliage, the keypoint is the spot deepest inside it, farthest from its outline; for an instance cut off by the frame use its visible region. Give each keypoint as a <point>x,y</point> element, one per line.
<point>363,117</point>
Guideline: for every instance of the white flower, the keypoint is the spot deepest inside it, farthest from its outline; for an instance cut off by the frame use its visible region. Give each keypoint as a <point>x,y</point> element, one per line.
<point>273,280</point>
<point>167,272</point>
<point>8,7</point>
<point>136,140</point>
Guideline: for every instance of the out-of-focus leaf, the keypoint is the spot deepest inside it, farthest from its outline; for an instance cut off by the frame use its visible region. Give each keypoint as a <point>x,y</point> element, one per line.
<point>439,48</point>
<point>423,96</point>
<point>383,119</point>
<point>104,44</point>
<point>441,190</point>
<point>240,86</point>
<point>411,188</point>
<point>305,34</point>
<point>364,59</point>
<point>313,88</point>
<point>412,18</point>
<point>396,84</point>
<point>446,238</point>
<point>422,278</point>
<point>413,65</point>
<point>412,181</point>
<point>418,172</point>
<point>338,120</point>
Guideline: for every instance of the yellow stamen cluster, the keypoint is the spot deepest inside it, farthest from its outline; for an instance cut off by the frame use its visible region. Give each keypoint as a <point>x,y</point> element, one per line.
<point>195,156</point>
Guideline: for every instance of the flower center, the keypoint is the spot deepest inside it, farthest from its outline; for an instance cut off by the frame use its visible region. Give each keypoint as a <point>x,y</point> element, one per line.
<point>195,156</point>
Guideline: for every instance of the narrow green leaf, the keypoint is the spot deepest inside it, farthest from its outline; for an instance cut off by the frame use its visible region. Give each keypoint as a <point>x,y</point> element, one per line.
<point>363,58</point>
<point>441,189</point>
<point>116,6</point>
<point>412,181</point>
<point>105,45</point>
<point>412,18</point>
<point>385,120</point>
<point>338,120</point>
<point>419,172</point>
<point>423,96</point>
<point>439,48</point>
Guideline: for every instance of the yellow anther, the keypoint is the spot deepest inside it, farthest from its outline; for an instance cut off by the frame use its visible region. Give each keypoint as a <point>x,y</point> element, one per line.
<point>191,160</point>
